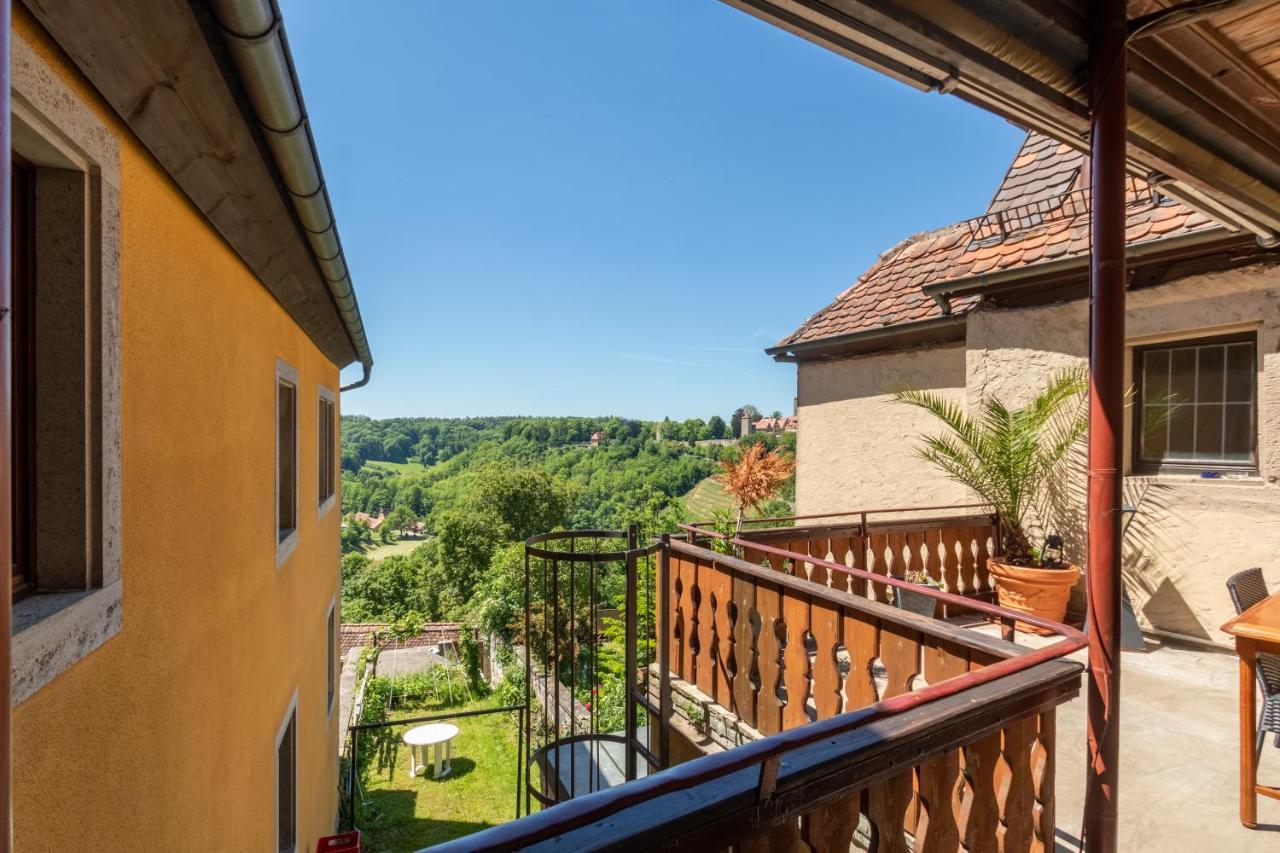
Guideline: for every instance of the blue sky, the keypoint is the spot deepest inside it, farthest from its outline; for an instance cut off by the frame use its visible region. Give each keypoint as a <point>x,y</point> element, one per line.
<point>599,207</point>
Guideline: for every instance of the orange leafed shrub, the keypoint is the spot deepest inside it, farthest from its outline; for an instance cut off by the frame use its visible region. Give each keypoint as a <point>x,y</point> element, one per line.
<point>756,477</point>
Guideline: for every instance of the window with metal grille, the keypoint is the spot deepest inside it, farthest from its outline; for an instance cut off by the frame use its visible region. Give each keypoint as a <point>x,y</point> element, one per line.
<point>1196,404</point>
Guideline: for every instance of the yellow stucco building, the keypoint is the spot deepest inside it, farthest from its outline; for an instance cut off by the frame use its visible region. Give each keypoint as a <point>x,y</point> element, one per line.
<point>175,374</point>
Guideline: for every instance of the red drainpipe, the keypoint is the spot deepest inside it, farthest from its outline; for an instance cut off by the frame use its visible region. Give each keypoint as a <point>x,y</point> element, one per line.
<point>1108,125</point>
<point>6,410</point>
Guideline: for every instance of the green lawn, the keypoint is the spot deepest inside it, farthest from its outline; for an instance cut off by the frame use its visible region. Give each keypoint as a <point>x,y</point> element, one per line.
<point>403,545</point>
<point>403,814</point>
<point>398,467</point>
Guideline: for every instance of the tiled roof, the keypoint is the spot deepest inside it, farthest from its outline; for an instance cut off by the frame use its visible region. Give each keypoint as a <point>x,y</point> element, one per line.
<point>1042,203</point>
<point>360,634</point>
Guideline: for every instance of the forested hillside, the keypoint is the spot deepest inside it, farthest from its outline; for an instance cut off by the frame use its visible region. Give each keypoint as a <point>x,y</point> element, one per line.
<point>480,486</point>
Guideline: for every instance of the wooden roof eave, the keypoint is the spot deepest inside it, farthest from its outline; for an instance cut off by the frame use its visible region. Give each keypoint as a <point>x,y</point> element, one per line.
<point>1025,61</point>
<point>935,330</point>
<point>163,69</point>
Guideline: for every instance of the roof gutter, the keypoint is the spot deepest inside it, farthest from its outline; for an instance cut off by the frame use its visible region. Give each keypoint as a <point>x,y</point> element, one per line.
<point>942,291</point>
<point>255,38</point>
<point>792,352</point>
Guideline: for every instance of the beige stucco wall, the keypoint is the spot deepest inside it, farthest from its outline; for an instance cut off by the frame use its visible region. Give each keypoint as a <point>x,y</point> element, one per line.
<point>1188,535</point>
<point>854,445</point>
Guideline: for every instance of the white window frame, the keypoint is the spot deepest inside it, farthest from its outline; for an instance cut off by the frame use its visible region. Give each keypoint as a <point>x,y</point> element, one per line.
<point>53,127</point>
<point>323,393</point>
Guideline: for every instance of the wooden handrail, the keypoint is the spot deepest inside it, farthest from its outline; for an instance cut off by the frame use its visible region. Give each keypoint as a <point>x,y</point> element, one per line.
<point>840,745</point>
<point>973,699</point>
<point>883,612</point>
<point>877,511</point>
<point>725,807</point>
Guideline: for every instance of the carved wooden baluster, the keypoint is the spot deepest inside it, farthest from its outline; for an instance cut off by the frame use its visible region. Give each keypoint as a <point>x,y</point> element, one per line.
<point>951,562</point>
<point>900,653</point>
<point>1042,776</point>
<point>704,662</point>
<point>769,659</point>
<point>915,559</point>
<point>799,568</point>
<point>795,675</point>
<point>861,634</point>
<point>830,828</point>
<point>982,575</point>
<point>887,810</point>
<point>877,562</point>
<point>719,594</point>
<point>933,554</point>
<point>784,838</point>
<point>968,564</point>
<point>744,649</point>
<point>840,554</point>
<point>979,809</point>
<point>897,556</point>
<point>677,598</point>
<point>1016,789</point>
<point>858,552</point>
<point>939,781</point>
<point>818,550</point>
<point>689,623</point>
<point>824,620</point>
<point>892,803</point>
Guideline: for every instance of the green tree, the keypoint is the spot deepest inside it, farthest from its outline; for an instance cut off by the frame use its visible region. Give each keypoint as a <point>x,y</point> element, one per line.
<point>525,500</point>
<point>401,519</point>
<point>355,536</point>
<point>716,427</point>
<point>384,590</point>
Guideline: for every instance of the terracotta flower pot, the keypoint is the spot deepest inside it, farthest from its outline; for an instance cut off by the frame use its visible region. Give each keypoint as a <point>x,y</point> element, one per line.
<point>1037,592</point>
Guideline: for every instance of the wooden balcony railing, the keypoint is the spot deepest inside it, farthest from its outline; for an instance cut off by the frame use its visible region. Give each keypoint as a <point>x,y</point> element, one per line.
<point>880,728</point>
<point>949,543</point>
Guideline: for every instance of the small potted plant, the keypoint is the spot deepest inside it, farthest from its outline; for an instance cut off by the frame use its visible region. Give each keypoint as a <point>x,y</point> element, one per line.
<point>910,599</point>
<point>1009,456</point>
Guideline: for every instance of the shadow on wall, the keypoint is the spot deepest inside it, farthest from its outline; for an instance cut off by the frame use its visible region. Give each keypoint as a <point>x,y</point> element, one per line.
<point>878,375</point>
<point>1150,591</point>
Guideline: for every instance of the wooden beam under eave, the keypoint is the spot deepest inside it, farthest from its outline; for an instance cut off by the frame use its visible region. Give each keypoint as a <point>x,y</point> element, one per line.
<point>996,69</point>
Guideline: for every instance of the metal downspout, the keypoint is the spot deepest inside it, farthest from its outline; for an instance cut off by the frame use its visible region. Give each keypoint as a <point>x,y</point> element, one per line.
<point>1108,126</point>
<point>256,40</point>
<point>6,471</point>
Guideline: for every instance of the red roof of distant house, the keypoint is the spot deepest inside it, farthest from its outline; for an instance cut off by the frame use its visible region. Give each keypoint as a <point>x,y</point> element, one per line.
<point>354,635</point>
<point>1045,188</point>
<point>785,423</point>
<point>374,521</point>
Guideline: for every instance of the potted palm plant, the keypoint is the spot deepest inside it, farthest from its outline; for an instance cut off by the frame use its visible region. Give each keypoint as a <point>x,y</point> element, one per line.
<point>1009,456</point>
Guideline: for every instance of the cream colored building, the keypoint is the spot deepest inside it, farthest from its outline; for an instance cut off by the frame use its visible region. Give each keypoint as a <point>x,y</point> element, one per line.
<point>995,305</point>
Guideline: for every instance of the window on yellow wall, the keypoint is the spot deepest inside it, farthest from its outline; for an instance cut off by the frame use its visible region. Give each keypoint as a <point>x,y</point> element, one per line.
<point>328,428</point>
<point>287,783</point>
<point>286,458</point>
<point>332,657</point>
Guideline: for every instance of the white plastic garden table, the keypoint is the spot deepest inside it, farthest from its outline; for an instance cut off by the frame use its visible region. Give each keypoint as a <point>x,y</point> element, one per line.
<point>437,735</point>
